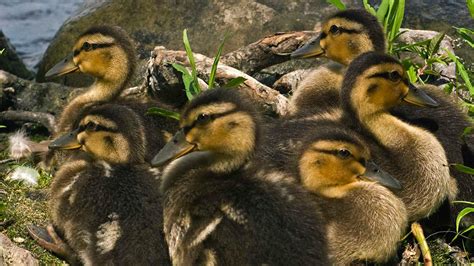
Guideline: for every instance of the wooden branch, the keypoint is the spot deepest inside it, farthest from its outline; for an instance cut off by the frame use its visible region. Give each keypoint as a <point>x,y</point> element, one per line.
<point>270,50</point>
<point>260,92</point>
<point>290,81</point>
<point>45,119</point>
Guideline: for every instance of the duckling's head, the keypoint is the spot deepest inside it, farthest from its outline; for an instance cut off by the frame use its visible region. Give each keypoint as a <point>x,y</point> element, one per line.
<point>109,132</point>
<point>218,122</point>
<point>218,133</point>
<point>104,52</point>
<point>344,36</point>
<point>376,82</point>
<point>334,160</point>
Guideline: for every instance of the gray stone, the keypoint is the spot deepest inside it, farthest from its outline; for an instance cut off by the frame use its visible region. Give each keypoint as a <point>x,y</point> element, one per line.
<point>11,254</point>
<point>20,94</point>
<point>410,36</point>
<point>9,60</point>
<point>160,22</point>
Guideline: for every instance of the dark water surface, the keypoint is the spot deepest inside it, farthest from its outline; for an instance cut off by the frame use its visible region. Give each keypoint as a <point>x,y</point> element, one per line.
<point>31,24</point>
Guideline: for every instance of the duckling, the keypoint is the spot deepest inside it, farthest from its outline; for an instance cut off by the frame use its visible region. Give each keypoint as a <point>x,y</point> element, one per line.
<point>217,210</point>
<point>373,84</point>
<point>344,36</point>
<point>335,165</point>
<point>107,54</point>
<point>105,200</point>
<point>347,34</point>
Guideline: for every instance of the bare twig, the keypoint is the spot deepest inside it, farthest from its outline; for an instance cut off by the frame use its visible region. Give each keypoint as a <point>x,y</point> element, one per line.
<point>45,119</point>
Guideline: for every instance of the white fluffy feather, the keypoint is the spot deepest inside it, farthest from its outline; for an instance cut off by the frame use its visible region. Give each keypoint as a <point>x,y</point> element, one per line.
<point>26,175</point>
<point>20,145</point>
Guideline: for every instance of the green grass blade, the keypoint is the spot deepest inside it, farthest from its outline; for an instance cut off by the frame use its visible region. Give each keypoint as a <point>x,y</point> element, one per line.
<point>369,8</point>
<point>235,82</point>
<point>337,3</point>
<point>396,19</point>
<point>192,63</point>
<point>468,131</point>
<point>187,80</point>
<point>463,168</point>
<point>463,202</point>
<point>435,42</point>
<point>1,51</point>
<point>471,227</point>
<point>467,35</point>
<point>461,70</point>
<point>461,214</point>
<point>163,112</point>
<point>383,10</point>
<point>212,76</point>
<point>470,6</point>
<point>412,75</point>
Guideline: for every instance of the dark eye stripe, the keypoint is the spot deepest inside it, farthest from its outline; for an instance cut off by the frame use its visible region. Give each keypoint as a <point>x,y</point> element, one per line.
<point>212,117</point>
<point>97,128</point>
<point>332,152</point>
<point>93,46</point>
<point>342,30</point>
<point>386,75</point>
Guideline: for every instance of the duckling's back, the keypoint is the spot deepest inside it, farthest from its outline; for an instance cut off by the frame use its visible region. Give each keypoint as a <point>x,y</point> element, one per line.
<point>240,220</point>
<point>109,214</point>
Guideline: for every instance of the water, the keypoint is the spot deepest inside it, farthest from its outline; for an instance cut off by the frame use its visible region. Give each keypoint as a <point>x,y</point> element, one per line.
<point>31,24</point>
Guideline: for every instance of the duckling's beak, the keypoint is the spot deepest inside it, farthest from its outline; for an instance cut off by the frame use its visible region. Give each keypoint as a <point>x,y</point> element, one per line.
<point>311,49</point>
<point>64,67</point>
<point>418,97</point>
<point>374,173</point>
<point>175,148</point>
<point>66,142</point>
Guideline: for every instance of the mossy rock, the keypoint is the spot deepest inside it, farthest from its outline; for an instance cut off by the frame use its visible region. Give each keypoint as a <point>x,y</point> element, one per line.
<point>161,22</point>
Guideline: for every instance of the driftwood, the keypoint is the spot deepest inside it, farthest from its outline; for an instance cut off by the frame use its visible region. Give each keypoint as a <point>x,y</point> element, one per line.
<point>291,80</point>
<point>45,119</point>
<point>163,58</point>
<point>269,51</point>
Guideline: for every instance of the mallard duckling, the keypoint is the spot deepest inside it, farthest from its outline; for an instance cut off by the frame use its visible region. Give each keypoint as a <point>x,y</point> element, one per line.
<point>335,165</point>
<point>217,211</point>
<point>105,200</point>
<point>104,52</point>
<point>343,37</point>
<point>373,84</point>
<point>107,54</point>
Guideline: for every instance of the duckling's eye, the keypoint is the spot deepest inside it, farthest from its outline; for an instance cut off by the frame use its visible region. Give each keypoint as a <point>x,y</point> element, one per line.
<point>203,118</point>
<point>334,30</point>
<point>343,153</point>
<point>394,76</point>
<point>91,126</point>
<point>86,46</point>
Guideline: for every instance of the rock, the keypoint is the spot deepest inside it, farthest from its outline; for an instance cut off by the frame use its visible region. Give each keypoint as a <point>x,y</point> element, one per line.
<point>160,22</point>
<point>410,36</point>
<point>9,60</point>
<point>10,254</point>
<point>20,94</point>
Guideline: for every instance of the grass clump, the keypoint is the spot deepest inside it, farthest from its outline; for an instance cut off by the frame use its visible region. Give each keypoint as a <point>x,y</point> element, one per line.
<point>21,205</point>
